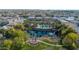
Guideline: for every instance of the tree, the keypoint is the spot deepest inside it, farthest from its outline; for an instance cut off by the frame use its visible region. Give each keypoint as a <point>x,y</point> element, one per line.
<point>19,26</point>
<point>26,23</point>
<point>12,33</point>
<point>7,44</point>
<point>19,43</point>
<point>65,31</point>
<point>21,34</point>
<point>70,40</point>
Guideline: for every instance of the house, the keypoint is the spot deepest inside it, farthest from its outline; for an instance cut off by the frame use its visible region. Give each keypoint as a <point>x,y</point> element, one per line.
<point>70,18</point>
<point>8,22</point>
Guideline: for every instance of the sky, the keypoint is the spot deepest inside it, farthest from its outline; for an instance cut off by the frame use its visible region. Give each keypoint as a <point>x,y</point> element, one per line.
<point>39,4</point>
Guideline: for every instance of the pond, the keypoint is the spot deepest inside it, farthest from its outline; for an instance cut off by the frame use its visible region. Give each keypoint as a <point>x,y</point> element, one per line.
<point>40,33</point>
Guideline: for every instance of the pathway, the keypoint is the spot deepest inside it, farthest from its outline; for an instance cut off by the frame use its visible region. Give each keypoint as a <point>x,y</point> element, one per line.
<point>49,43</point>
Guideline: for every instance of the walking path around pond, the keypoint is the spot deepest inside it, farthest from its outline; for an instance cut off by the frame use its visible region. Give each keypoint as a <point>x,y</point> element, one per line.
<point>49,43</point>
